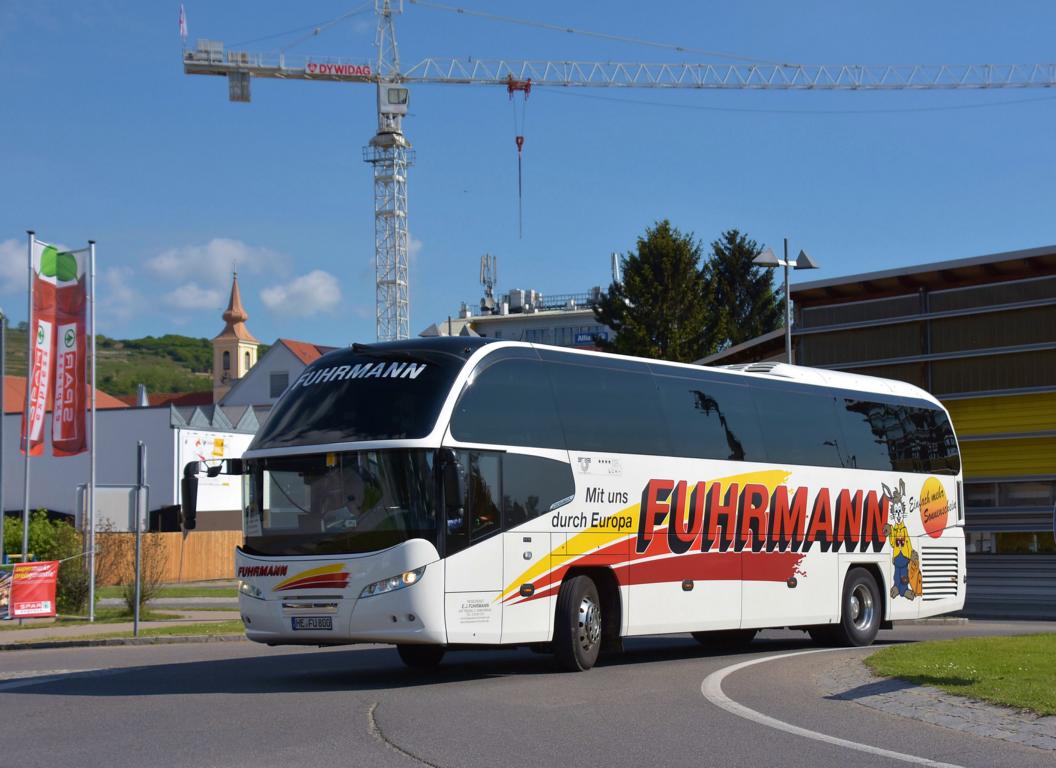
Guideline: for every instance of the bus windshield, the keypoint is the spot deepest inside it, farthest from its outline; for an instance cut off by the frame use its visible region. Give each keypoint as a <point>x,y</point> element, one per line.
<point>339,503</point>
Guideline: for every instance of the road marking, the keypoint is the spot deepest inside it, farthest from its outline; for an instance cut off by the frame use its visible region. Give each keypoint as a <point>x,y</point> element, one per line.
<point>711,689</point>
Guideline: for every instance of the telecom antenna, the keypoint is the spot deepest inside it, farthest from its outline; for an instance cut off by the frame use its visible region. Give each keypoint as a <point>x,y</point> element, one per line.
<point>489,276</point>
<point>616,278</point>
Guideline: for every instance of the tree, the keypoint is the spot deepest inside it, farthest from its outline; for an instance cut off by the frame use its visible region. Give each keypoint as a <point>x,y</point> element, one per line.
<point>744,292</point>
<point>663,307</point>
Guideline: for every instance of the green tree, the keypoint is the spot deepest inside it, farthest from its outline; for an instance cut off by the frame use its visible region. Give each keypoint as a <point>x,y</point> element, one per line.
<point>744,292</point>
<point>54,540</point>
<point>663,307</point>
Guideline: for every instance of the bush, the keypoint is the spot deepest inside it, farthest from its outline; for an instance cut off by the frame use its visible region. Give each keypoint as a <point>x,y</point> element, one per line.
<point>54,540</point>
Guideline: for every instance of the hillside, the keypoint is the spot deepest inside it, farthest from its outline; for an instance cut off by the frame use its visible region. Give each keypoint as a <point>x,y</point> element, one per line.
<point>169,363</point>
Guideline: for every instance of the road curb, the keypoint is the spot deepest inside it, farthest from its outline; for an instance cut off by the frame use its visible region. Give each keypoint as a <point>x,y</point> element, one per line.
<point>120,641</point>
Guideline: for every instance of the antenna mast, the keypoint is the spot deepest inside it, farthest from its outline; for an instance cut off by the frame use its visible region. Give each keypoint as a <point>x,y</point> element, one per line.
<point>390,153</point>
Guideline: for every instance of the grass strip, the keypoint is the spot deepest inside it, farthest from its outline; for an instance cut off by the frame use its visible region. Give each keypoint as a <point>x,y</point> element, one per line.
<point>1015,671</point>
<point>234,627</point>
<point>225,591</point>
<point>102,616</point>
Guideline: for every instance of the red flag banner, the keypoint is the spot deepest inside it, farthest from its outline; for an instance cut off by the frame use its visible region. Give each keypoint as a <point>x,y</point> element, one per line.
<point>68,432</point>
<point>33,589</point>
<point>42,328</point>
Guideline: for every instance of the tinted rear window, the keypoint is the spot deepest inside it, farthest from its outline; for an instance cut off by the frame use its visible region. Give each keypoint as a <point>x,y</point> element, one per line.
<point>348,396</point>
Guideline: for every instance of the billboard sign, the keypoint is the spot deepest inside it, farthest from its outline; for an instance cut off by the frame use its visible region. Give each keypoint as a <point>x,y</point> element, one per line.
<point>33,590</point>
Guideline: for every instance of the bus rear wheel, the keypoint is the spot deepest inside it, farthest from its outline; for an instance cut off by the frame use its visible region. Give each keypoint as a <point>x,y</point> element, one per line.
<point>577,625</point>
<point>420,656</point>
<point>860,613</point>
<point>725,639</point>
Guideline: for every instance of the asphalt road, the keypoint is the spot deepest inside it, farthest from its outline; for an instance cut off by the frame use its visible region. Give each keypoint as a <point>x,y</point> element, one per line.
<point>239,704</point>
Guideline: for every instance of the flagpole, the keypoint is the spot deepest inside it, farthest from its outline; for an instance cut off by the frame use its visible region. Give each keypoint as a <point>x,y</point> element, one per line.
<point>91,444</point>
<point>29,372</point>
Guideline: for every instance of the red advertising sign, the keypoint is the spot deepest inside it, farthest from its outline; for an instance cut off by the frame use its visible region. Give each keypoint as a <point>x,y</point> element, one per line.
<point>59,298</point>
<point>43,258</point>
<point>68,428</point>
<point>33,590</point>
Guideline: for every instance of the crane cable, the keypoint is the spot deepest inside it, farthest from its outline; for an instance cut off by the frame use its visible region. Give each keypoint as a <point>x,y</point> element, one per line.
<point>316,28</point>
<point>599,35</point>
<point>514,86</point>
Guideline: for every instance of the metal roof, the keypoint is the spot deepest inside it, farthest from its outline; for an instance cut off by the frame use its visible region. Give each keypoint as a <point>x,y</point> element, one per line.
<point>1008,265</point>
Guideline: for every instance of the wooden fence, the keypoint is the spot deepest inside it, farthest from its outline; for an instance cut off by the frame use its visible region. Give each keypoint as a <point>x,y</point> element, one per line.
<point>200,556</point>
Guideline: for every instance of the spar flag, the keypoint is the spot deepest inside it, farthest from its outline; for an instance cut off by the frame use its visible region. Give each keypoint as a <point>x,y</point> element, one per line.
<point>59,301</point>
<point>68,433</point>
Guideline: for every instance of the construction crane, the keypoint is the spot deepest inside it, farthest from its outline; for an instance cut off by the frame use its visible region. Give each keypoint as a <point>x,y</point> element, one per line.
<point>390,153</point>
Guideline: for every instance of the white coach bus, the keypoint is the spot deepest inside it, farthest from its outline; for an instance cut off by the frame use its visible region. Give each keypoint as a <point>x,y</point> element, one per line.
<point>446,493</point>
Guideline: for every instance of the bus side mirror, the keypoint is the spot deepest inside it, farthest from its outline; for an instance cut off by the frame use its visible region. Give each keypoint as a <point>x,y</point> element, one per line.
<point>189,497</point>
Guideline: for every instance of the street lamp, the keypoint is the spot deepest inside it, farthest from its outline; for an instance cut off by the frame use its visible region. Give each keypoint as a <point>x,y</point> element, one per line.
<point>803,261</point>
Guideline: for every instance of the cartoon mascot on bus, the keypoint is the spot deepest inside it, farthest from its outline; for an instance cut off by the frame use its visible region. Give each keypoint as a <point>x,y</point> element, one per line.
<point>908,582</point>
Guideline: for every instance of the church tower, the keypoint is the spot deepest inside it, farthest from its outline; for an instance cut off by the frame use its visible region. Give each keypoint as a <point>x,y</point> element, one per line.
<point>234,349</point>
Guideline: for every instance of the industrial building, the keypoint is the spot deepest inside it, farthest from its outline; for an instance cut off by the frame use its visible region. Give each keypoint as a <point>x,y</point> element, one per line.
<point>980,334</point>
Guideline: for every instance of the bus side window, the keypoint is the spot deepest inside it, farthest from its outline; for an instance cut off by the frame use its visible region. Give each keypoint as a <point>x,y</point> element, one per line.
<point>483,486</point>
<point>865,432</point>
<point>710,420</point>
<point>531,485</point>
<point>800,427</point>
<point>483,413</point>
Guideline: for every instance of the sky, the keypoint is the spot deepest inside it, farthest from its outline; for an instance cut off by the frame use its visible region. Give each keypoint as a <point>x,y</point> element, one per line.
<point>103,137</point>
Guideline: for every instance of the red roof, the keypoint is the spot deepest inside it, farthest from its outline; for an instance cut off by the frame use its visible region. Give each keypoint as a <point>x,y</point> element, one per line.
<point>171,398</point>
<point>305,352</point>
<point>15,396</point>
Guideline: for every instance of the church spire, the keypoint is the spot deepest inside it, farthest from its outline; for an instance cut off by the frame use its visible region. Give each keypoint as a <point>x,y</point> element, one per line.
<point>235,316</point>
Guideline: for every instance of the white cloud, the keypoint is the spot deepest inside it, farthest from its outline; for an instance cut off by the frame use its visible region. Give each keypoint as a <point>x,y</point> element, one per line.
<point>318,291</point>
<point>116,298</point>
<point>193,296</point>
<point>212,263</point>
<point>13,265</point>
<point>414,246</point>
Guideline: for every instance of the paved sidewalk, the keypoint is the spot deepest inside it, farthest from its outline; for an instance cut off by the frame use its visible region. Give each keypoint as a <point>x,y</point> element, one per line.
<point>86,631</point>
<point>850,680</point>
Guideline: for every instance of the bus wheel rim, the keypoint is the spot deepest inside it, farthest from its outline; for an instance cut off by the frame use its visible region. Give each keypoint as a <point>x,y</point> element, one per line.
<point>862,608</point>
<point>589,623</point>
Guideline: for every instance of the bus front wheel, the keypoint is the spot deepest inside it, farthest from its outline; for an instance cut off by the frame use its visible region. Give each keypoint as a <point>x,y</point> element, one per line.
<point>577,625</point>
<point>420,656</point>
<point>860,612</point>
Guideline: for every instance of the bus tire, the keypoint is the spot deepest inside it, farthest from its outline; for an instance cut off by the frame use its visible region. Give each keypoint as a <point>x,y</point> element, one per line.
<point>861,610</point>
<point>577,625</point>
<point>725,639</point>
<point>420,656</point>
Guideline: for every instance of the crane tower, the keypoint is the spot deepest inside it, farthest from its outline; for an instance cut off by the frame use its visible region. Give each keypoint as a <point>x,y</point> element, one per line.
<point>391,155</point>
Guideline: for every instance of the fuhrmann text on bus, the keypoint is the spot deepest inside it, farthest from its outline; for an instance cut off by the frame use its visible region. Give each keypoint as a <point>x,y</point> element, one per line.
<point>718,516</point>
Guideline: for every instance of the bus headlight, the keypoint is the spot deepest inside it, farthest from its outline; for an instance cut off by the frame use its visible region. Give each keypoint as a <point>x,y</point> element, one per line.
<point>391,584</point>
<point>250,590</point>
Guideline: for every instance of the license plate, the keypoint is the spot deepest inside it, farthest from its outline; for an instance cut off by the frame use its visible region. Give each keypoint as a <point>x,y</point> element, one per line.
<point>313,622</point>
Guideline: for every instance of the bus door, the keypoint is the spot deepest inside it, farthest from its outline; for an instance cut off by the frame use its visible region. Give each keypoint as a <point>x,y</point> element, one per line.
<point>473,545</point>
<point>527,617</point>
